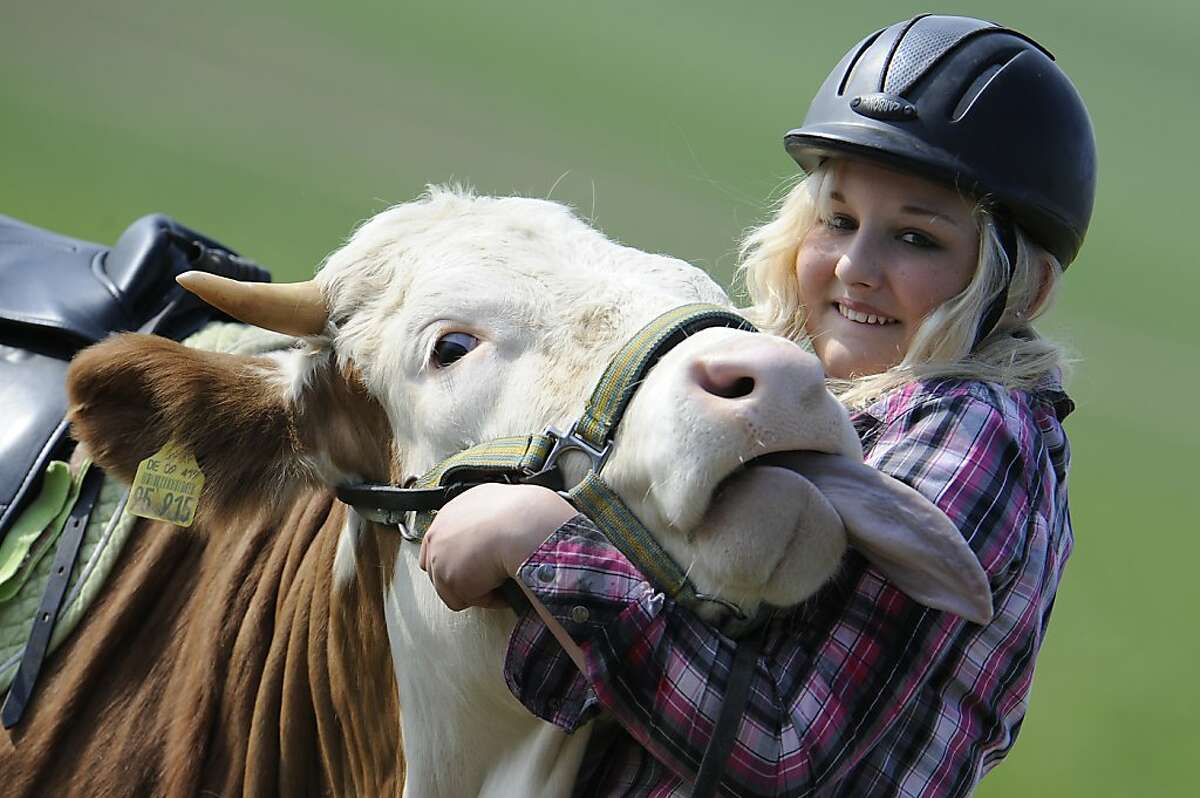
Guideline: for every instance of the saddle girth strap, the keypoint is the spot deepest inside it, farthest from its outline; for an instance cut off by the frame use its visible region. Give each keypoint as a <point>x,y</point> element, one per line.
<point>65,554</point>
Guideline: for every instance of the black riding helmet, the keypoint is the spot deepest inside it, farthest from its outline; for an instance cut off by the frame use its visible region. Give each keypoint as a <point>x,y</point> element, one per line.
<point>970,103</point>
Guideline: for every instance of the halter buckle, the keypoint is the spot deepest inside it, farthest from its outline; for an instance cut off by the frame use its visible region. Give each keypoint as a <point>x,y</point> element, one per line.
<point>566,441</point>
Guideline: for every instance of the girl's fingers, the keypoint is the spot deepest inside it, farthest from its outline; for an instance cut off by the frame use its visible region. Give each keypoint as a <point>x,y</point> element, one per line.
<point>448,592</point>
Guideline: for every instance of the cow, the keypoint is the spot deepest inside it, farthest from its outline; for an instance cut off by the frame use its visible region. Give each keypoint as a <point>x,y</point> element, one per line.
<point>284,645</point>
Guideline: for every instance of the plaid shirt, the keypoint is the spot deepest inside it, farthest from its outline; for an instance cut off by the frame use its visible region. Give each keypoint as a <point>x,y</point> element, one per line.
<point>861,691</point>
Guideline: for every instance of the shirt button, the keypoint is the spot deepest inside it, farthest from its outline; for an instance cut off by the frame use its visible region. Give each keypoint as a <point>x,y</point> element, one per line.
<point>545,572</point>
<point>580,614</point>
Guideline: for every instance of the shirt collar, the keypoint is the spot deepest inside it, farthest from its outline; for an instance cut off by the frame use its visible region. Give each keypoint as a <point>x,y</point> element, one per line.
<point>1048,390</point>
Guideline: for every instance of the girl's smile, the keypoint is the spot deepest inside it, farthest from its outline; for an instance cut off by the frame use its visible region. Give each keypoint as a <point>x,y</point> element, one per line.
<point>862,313</point>
<point>888,249</point>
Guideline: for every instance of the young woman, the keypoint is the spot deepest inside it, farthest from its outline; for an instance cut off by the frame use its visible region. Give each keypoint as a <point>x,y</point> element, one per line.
<point>951,170</point>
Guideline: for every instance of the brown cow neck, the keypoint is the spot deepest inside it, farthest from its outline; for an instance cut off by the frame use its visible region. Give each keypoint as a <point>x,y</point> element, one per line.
<point>222,661</point>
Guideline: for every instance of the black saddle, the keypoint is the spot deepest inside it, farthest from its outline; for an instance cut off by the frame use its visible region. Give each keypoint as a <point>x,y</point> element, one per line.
<point>58,295</point>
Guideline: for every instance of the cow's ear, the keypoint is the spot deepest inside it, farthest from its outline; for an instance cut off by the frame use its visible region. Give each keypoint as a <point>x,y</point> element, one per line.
<point>904,535</point>
<point>257,427</point>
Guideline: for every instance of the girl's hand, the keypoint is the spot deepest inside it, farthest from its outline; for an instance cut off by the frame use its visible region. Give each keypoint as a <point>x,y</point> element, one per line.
<point>481,537</point>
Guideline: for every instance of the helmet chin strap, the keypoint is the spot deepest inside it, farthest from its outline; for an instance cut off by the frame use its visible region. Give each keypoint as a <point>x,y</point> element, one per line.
<point>995,309</point>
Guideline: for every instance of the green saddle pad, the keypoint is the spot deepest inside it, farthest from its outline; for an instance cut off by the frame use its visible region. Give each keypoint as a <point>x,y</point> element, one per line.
<point>23,575</point>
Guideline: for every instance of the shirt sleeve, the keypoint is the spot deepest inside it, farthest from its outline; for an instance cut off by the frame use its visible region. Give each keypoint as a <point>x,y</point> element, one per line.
<point>832,677</point>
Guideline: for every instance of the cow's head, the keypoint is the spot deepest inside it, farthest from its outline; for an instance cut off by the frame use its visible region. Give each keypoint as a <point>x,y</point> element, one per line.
<point>456,319</point>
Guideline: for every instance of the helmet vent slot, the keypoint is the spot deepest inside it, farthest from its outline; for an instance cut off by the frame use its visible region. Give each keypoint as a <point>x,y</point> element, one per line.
<point>980,84</point>
<point>862,48</point>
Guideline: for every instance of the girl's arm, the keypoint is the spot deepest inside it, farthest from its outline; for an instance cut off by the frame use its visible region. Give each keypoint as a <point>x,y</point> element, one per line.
<point>832,679</point>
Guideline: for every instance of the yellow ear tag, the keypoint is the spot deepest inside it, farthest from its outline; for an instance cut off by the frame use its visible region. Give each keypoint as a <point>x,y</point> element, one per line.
<point>167,486</point>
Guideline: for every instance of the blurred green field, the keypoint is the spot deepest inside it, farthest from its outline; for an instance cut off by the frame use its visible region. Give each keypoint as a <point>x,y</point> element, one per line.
<point>276,126</point>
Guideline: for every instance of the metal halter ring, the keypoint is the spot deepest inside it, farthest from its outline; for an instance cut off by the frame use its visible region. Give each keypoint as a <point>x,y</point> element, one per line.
<point>571,440</point>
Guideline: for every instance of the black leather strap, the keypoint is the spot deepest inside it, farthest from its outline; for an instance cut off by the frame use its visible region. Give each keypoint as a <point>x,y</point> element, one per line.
<point>387,504</point>
<point>716,754</point>
<point>995,309</point>
<point>65,553</point>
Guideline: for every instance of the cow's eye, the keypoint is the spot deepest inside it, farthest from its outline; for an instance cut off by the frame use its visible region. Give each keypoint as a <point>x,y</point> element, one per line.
<point>451,347</point>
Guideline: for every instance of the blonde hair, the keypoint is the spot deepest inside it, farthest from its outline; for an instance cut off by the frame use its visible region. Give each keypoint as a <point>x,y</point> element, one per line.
<point>1012,354</point>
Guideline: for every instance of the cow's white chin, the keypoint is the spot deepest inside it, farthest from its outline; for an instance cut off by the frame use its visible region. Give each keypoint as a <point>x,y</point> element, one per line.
<point>768,535</point>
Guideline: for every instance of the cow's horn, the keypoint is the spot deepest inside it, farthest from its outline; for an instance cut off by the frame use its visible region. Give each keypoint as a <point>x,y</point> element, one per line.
<point>289,308</point>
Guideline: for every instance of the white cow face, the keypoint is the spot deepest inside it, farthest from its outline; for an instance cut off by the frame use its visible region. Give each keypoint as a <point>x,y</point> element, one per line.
<point>474,318</point>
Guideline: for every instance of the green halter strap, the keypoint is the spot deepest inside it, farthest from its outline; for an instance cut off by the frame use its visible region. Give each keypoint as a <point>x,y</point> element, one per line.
<point>629,367</point>
<point>517,458</point>
<point>604,508</point>
<point>534,459</point>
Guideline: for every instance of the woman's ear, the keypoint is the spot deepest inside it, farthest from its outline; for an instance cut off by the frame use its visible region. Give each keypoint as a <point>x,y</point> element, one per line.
<point>1048,273</point>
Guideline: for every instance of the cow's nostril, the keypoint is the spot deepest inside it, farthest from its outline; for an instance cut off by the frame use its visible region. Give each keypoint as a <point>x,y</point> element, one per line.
<point>725,377</point>
<point>730,389</point>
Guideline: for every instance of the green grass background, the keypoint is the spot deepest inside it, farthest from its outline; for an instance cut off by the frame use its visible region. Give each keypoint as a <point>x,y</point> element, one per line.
<point>276,126</point>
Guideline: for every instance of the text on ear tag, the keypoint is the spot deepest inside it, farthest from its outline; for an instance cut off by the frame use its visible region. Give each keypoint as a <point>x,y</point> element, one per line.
<point>167,486</point>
